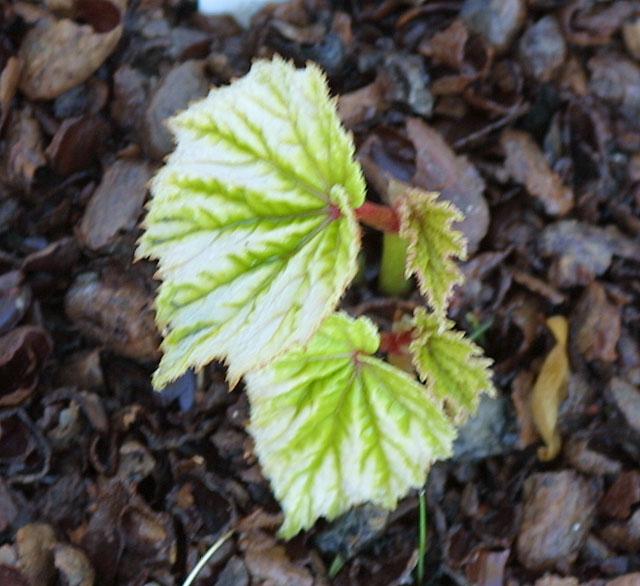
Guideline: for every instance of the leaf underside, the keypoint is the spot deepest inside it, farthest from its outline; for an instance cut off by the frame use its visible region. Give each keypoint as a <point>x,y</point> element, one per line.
<point>251,221</point>
<point>453,366</point>
<point>335,427</point>
<point>432,244</point>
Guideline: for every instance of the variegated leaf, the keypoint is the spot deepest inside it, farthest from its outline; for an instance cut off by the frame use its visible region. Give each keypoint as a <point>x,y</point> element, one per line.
<point>432,244</point>
<point>251,221</point>
<point>452,365</point>
<point>335,427</point>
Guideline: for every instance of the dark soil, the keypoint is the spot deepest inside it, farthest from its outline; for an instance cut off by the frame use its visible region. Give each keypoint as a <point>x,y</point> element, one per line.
<point>524,114</point>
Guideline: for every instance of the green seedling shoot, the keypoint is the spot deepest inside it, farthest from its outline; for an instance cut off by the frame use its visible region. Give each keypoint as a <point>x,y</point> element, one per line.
<point>255,223</point>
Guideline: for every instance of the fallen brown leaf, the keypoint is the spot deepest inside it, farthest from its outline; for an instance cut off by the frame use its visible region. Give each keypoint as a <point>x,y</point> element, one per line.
<point>60,54</point>
<point>550,389</point>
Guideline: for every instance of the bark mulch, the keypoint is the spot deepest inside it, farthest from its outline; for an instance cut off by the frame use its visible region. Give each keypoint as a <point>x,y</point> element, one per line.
<point>525,114</point>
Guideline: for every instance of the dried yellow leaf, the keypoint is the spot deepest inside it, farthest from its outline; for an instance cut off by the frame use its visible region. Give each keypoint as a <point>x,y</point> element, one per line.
<point>550,390</point>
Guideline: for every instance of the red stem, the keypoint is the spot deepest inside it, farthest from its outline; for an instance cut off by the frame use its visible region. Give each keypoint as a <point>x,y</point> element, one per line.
<point>380,217</point>
<point>395,342</point>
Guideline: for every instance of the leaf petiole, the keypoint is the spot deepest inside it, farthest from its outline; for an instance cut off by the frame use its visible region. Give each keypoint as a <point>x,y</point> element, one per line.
<point>378,216</point>
<point>395,342</point>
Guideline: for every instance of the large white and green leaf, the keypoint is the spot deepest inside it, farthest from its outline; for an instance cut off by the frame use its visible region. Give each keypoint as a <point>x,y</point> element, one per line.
<point>251,221</point>
<point>453,367</point>
<point>335,427</point>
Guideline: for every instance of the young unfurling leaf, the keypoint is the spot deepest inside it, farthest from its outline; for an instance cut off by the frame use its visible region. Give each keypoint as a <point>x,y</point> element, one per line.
<point>251,221</point>
<point>335,427</point>
<point>425,223</point>
<point>452,366</point>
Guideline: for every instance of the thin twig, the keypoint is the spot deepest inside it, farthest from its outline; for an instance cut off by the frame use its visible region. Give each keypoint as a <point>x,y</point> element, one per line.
<point>206,557</point>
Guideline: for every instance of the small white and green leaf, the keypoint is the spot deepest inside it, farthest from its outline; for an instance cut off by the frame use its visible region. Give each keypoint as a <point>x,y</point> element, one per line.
<point>453,367</point>
<point>335,427</point>
<point>251,221</point>
<point>432,243</point>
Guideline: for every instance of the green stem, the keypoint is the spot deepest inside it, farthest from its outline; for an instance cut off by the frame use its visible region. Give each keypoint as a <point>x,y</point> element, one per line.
<point>394,257</point>
<point>422,536</point>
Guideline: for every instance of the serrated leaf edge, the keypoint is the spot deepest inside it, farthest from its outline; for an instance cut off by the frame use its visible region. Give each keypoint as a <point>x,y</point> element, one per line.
<point>347,204</point>
<point>446,326</point>
<point>411,267</point>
